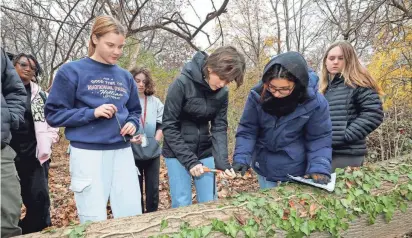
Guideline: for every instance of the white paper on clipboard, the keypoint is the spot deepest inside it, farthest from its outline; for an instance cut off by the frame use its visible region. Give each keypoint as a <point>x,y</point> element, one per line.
<point>329,187</point>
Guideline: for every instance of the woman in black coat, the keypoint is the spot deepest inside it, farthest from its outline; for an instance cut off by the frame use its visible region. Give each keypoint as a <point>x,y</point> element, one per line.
<point>354,103</point>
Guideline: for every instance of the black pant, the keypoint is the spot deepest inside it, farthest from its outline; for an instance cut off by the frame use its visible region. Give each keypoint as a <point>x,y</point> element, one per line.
<point>343,161</point>
<point>35,194</point>
<point>149,169</point>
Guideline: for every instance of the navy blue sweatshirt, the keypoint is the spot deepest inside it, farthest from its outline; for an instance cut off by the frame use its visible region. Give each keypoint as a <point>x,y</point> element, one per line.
<point>80,87</point>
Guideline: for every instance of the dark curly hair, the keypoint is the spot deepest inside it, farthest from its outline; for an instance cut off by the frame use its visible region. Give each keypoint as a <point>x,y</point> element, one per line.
<point>39,70</point>
<point>149,83</point>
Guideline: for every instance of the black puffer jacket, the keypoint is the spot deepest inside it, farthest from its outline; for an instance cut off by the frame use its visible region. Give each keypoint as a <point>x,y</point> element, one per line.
<point>195,118</point>
<point>13,99</point>
<point>355,113</point>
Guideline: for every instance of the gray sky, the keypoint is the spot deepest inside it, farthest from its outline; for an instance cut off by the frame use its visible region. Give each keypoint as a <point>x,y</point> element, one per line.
<point>203,7</point>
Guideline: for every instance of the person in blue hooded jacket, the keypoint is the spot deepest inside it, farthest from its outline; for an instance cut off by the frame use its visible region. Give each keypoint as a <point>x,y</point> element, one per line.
<point>313,79</point>
<point>285,127</point>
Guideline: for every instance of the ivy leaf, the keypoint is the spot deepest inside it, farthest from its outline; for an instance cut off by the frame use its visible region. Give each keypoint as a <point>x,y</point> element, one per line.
<point>385,201</point>
<point>377,183</point>
<point>250,231</point>
<point>197,233</point>
<point>357,209</point>
<point>366,187</point>
<point>344,226</point>
<point>410,175</point>
<point>304,227</point>
<point>73,235</point>
<point>251,205</point>
<point>350,198</point>
<point>358,192</point>
<point>163,224</point>
<point>331,224</point>
<point>232,229</point>
<point>338,191</point>
<point>345,202</point>
<point>410,187</point>
<point>341,213</point>
<point>339,171</point>
<point>403,206</point>
<point>379,208</point>
<point>372,219</point>
<point>184,225</point>
<point>67,232</point>
<point>280,212</point>
<point>79,230</point>
<point>389,214</point>
<point>357,173</point>
<point>312,225</point>
<point>206,230</point>
<point>367,178</point>
<point>49,230</point>
<point>293,214</point>
<point>218,225</point>
<point>393,178</point>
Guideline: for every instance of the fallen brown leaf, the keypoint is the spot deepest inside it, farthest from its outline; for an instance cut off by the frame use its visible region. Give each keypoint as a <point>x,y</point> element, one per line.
<point>240,219</point>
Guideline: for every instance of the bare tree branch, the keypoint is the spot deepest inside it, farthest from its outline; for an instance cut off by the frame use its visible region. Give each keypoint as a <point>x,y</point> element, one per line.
<point>72,45</point>
<point>138,10</point>
<point>39,17</point>
<point>212,15</point>
<point>194,10</point>
<point>402,7</point>
<point>220,25</point>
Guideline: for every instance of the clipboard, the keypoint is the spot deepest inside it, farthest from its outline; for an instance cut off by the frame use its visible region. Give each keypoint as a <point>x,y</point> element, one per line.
<point>329,187</point>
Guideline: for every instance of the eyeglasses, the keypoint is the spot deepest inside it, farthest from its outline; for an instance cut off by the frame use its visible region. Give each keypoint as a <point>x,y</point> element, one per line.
<point>282,91</point>
<point>25,65</point>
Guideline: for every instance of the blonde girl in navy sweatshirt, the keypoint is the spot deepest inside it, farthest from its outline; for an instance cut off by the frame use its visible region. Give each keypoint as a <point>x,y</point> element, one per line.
<point>96,101</point>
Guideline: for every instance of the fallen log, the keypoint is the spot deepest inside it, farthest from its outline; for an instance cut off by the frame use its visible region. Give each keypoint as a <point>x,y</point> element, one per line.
<point>374,201</point>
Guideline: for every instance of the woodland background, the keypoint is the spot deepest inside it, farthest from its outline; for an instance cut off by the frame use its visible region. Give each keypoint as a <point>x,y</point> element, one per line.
<point>164,34</point>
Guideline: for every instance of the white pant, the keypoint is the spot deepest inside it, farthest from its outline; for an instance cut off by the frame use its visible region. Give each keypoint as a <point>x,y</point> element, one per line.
<point>97,175</point>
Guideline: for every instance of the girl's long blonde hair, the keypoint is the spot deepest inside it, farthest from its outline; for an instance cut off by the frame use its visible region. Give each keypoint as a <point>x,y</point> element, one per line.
<point>353,72</point>
<point>103,25</point>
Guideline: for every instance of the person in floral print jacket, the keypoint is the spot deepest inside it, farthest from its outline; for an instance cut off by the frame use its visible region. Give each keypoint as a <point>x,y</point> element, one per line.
<point>33,145</point>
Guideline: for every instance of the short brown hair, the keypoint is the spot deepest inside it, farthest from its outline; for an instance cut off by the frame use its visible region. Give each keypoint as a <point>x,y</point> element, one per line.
<point>149,83</point>
<point>228,63</point>
<point>104,24</point>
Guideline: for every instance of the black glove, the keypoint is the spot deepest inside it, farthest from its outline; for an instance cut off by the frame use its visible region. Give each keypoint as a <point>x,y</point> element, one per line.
<point>319,178</point>
<point>242,168</point>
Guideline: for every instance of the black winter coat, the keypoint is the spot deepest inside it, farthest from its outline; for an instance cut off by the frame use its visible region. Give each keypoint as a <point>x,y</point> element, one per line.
<point>13,99</point>
<point>195,118</point>
<point>355,113</point>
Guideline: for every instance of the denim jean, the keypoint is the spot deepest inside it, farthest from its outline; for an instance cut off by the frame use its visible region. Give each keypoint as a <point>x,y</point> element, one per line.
<point>180,183</point>
<point>264,184</point>
<point>97,175</point>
